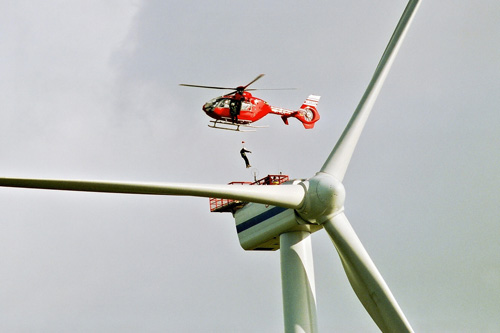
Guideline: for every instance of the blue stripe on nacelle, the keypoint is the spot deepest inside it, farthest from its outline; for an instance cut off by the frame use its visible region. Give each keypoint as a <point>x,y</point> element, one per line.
<point>259,218</point>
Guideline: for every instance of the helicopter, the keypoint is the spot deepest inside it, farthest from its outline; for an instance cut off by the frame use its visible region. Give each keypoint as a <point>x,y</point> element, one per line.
<point>239,109</point>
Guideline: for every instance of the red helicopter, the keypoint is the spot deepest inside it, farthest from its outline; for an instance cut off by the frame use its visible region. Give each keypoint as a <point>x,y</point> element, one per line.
<point>240,109</point>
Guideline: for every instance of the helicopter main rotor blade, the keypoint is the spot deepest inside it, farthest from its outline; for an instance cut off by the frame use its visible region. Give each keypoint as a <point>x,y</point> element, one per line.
<point>270,89</point>
<point>236,89</point>
<point>206,87</point>
<point>339,158</point>
<point>223,88</point>
<point>364,277</point>
<point>257,78</point>
<point>288,195</point>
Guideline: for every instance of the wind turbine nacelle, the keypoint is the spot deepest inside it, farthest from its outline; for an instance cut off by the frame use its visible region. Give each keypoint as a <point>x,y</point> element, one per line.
<point>259,226</point>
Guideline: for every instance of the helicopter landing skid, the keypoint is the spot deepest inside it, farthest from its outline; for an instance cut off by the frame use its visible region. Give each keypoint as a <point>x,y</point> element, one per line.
<point>230,126</point>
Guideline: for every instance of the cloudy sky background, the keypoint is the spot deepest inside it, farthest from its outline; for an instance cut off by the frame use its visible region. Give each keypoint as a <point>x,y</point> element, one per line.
<point>89,90</point>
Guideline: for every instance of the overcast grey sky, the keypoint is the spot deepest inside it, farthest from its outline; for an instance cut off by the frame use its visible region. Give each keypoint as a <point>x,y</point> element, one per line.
<point>89,90</point>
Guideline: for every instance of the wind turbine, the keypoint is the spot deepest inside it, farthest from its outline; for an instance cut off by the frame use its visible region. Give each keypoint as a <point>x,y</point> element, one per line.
<point>291,212</point>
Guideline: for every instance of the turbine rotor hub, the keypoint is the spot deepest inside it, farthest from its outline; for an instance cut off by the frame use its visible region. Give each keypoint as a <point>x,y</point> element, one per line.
<point>325,196</point>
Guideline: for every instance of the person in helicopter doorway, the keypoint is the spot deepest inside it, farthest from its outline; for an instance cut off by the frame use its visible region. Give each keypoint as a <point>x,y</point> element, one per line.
<point>243,154</point>
<point>235,106</point>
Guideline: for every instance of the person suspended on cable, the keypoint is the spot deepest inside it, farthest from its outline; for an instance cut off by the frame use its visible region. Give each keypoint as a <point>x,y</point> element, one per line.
<point>243,154</point>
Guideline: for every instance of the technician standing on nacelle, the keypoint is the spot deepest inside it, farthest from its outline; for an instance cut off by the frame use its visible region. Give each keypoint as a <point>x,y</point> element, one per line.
<point>242,152</point>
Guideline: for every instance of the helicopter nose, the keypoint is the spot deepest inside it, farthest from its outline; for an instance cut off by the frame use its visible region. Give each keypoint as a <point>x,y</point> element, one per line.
<point>207,107</point>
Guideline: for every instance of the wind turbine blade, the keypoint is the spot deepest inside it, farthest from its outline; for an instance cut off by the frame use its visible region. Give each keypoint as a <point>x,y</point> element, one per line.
<point>287,195</point>
<point>364,277</point>
<point>339,158</point>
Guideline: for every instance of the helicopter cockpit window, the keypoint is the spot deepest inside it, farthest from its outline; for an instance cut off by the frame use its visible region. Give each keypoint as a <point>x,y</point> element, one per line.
<point>223,103</point>
<point>209,106</point>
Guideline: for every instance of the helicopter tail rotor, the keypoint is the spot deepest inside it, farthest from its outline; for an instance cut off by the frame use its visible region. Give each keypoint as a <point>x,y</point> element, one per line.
<point>307,113</point>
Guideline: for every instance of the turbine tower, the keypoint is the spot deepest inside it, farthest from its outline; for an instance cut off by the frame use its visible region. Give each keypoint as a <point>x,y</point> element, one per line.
<point>291,212</point>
